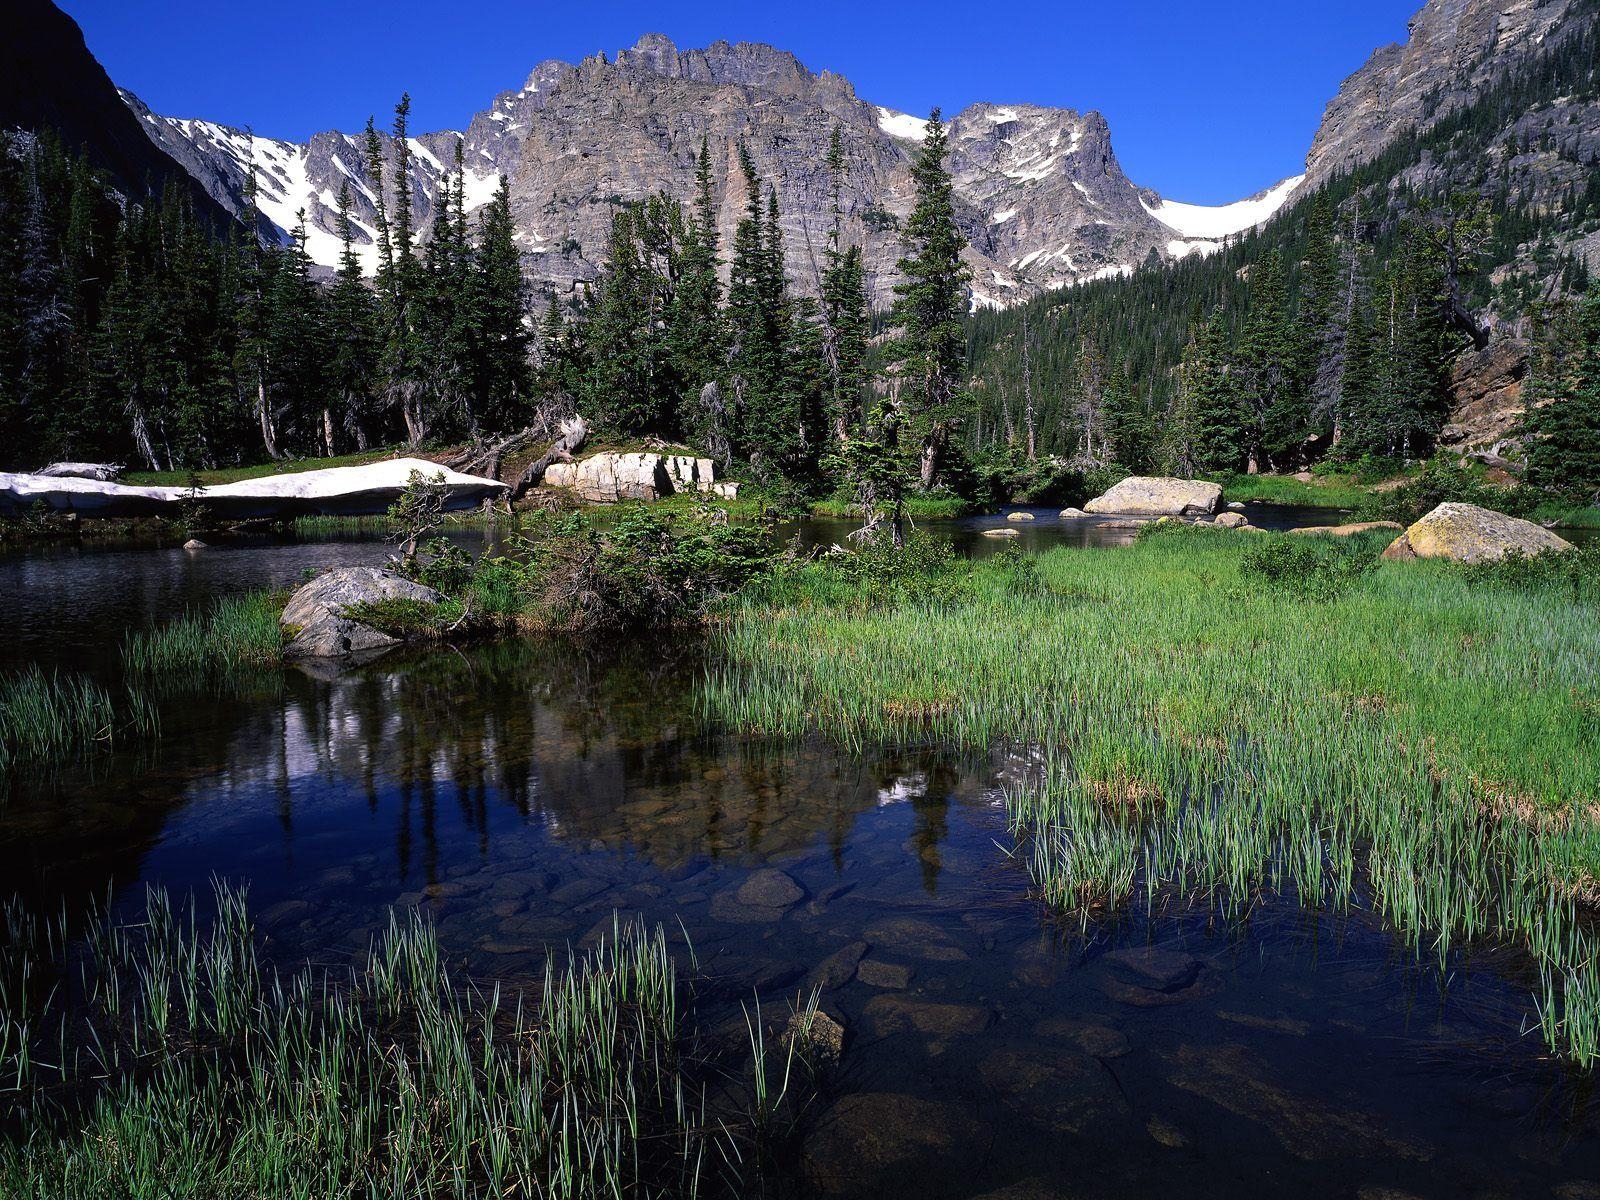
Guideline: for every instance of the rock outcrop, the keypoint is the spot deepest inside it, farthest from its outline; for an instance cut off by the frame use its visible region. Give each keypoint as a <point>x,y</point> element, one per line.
<point>103,472</point>
<point>1152,496</point>
<point>1469,534</point>
<point>608,477</point>
<point>315,617</point>
<point>1486,395</point>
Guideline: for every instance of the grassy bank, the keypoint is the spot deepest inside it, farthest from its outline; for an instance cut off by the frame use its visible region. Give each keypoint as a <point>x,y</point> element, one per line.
<point>1201,726</point>
<point>1321,491</point>
<point>158,1056</point>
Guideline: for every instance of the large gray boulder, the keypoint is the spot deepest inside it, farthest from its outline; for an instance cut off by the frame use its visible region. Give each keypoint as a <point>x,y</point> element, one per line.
<point>1152,496</point>
<point>1469,534</point>
<point>315,620</point>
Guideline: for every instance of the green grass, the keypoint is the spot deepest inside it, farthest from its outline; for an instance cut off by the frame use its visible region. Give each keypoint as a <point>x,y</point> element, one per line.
<point>235,632</point>
<point>50,717</point>
<point>1414,742</point>
<point>1330,491</point>
<point>940,507</point>
<point>161,1056</point>
<point>1569,518</point>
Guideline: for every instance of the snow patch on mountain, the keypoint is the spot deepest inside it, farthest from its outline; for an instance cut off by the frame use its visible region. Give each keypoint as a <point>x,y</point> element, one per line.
<point>902,125</point>
<point>1213,222</point>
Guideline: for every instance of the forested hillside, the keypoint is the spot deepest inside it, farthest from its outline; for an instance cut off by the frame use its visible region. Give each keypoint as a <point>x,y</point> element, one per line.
<point>1333,327</point>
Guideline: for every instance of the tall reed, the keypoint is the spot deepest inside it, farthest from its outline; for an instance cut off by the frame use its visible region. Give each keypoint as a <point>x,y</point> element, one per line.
<point>50,716</point>
<point>1419,744</point>
<point>162,1057</point>
<point>234,632</point>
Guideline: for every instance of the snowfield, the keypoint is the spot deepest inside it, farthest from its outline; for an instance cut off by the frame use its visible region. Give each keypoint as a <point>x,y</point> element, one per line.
<point>1214,222</point>
<point>343,491</point>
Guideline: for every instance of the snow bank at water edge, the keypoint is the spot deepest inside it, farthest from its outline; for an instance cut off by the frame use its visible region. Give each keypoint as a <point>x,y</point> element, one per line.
<point>335,491</point>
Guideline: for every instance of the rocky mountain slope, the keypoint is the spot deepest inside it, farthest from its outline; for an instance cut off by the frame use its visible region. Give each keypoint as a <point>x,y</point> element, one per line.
<point>49,80</point>
<point>1044,201</point>
<point>1454,49</point>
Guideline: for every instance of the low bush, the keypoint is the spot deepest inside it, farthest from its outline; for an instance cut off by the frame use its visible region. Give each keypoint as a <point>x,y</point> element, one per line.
<point>1446,481</point>
<point>1312,568</point>
<point>1575,572</point>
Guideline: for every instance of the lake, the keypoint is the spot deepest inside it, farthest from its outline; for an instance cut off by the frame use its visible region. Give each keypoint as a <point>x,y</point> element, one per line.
<point>524,794</point>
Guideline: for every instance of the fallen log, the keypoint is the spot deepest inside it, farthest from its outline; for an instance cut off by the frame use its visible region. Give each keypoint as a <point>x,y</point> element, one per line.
<point>574,431</point>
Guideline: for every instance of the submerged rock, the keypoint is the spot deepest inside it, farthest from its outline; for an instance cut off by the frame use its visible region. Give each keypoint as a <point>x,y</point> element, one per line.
<point>1019,516</point>
<point>839,968</point>
<point>1001,533</point>
<point>816,1037</point>
<point>901,1014</point>
<point>1150,496</point>
<point>1469,534</point>
<point>1072,514</point>
<point>315,616</point>
<point>869,1133</point>
<point>1052,1087</point>
<point>770,888</point>
<point>1348,530</point>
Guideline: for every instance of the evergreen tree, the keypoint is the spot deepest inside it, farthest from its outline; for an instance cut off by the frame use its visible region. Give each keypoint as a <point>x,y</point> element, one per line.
<point>1271,359</point>
<point>1208,429</point>
<point>501,371</point>
<point>844,317</point>
<point>763,427</point>
<point>1563,412</point>
<point>695,335</point>
<point>352,342</point>
<point>930,351</point>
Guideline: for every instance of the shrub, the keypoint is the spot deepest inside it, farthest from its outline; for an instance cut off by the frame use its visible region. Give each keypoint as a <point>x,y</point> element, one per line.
<point>449,568</point>
<point>1313,568</point>
<point>403,617</point>
<point>1018,571</point>
<point>1444,481</point>
<point>646,569</point>
<point>1575,571</point>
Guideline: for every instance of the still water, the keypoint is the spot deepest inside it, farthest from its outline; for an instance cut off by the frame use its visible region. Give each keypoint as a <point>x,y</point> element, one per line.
<point>524,793</point>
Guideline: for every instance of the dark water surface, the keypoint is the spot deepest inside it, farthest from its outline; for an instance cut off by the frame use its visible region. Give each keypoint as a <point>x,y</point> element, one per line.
<point>523,793</point>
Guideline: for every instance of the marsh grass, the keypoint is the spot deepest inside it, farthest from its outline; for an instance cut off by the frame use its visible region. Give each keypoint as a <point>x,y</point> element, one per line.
<point>49,717</point>
<point>162,1056</point>
<point>232,633</point>
<point>1417,743</point>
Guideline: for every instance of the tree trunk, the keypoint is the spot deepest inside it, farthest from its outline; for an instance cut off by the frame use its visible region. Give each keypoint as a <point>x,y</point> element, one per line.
<point>573,433</point>
<point>269,432</point>
<point>929,469</point>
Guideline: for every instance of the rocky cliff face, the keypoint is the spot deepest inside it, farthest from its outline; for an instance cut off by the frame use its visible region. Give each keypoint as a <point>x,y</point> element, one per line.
<point>1042,197</point>
<point>48,79</point>
<point>1454,49</point>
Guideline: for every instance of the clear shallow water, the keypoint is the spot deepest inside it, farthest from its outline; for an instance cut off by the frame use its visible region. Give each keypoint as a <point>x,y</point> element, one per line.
<point>523,793</point>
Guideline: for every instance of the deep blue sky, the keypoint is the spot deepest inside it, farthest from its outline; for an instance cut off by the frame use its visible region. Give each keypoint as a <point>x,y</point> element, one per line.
<point>1207,102</point>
